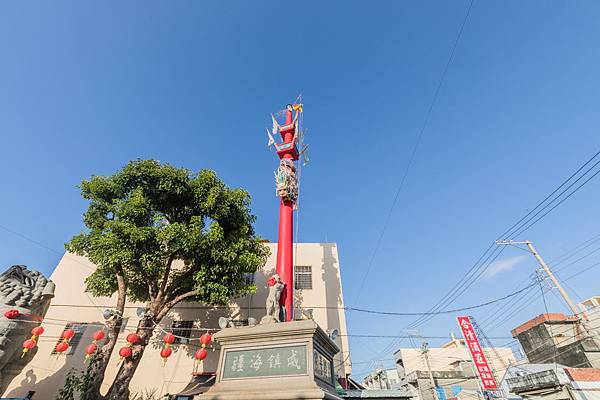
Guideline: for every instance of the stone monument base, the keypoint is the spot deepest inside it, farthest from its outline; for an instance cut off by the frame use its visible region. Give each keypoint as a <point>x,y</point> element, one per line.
<point>287,360</point>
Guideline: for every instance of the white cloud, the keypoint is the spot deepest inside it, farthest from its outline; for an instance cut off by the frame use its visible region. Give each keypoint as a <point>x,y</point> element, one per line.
<point>500,266</point>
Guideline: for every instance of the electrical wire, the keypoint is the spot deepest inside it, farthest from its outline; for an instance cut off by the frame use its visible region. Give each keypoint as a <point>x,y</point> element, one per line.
<point>517,228</point>
<point>414,152</point>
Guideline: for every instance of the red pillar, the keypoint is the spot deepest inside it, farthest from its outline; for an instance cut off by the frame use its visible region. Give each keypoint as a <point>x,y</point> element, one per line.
<point>285,246</point>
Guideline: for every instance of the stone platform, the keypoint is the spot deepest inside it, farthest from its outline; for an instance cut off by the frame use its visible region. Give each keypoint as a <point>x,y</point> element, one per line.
<point>288,360</point>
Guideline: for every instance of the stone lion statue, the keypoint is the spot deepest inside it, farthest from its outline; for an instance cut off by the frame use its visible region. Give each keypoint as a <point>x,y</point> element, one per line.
<point>29,293</point>
<point>276,286</point>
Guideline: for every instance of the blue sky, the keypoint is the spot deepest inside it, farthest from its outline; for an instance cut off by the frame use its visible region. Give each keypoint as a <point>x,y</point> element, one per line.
<point>87,86</point>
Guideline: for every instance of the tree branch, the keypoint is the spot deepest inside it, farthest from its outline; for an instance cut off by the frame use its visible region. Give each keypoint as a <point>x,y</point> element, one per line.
<point>165,278</point>
<point>177,282</point>
<point>170,304</point>
<point>152,287</point>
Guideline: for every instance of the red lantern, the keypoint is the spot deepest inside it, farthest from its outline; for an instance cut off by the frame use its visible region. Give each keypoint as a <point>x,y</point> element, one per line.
<point>169,339</point>
<point>90,349</point>
<point>12,314</point>
<point>125,352</point>
<point>133,338</point>
<point>166,353</point>
<point>200,354</point>
<point>205,339</point>
<point>68,334</point>
<point>98,335</point>
<point>28,345</point>
<point>37,331</point>
<point>62,347</point>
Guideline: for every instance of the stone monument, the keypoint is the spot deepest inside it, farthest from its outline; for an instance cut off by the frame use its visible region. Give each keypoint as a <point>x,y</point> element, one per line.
<point>24,300</point>
<point>275,360</point>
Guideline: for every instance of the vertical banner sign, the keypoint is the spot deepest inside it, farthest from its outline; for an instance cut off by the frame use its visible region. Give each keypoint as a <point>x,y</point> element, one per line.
<point>481,364</point>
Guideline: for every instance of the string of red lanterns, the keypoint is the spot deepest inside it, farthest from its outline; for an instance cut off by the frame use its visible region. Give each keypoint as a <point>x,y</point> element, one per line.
<point>66,337</point>
<point>167,351</point>
<point>30,343</point>
<point>92,348</point>
<point>201,353</point>
<point>124,352</point>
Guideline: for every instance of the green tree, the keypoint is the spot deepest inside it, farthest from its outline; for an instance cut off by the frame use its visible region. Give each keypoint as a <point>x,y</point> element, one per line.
<point>141,222</point>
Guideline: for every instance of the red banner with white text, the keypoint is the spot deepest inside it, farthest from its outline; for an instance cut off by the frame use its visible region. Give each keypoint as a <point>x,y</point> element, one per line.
<point>481,364</point>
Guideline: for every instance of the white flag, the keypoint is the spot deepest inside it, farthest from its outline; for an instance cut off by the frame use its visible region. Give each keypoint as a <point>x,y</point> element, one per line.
<point>271,140</point>
<point>275,126</point>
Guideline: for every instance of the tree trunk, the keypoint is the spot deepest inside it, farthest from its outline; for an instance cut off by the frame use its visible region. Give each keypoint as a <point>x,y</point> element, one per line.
<point>102,358</point>
<point>157,310</point>
<point>119,390</point>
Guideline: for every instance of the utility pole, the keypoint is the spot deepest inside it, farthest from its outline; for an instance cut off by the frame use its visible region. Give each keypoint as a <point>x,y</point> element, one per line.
<point>547,270</point>
<point>425,352</point>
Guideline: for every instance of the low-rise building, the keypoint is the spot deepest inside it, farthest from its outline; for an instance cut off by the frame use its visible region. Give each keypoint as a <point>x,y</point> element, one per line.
<point>382,379</point>
<point>318,294</point>
<point>452,370</point>
<point>558,338</point>
<point>555,382</point>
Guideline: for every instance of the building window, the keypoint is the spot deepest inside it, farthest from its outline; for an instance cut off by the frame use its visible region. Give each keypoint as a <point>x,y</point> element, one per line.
<point>78,328</point>
<point>303,277</point>
<point>182,331</point>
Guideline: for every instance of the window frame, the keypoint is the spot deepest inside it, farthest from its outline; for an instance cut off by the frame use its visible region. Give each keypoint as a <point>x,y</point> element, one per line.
<point>182,331</point>
<point>299,284</point>
<point>79,328</point>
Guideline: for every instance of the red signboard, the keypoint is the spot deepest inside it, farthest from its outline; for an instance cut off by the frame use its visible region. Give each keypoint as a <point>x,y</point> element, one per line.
<point>481,365</point>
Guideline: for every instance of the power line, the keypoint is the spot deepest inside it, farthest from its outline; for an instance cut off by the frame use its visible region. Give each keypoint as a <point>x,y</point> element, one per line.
<point>575,250</point>
<point>517,228</point>
<point>494,314</point>
<point>512,312</point>
<point>412,336</point>
<point>451,311</point>
<point>414,150</point>
<point>345,308</point>
<point>560,202</point>
<point>519,222</point>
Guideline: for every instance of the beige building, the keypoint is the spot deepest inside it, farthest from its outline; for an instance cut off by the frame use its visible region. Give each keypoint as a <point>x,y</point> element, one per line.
<point>319,293</point>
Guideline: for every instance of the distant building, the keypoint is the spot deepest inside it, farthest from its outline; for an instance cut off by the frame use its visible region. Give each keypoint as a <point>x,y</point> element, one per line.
<point>554,382</point>
<point>521,370</point>
<point>319,293</point>
<point>382,379</point>
<point>451,367</point>
<point>557,338</point>
<point>390,394</point>
<point>564,357</point>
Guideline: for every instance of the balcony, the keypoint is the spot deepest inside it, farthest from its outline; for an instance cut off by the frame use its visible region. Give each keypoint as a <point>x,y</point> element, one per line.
<point>538,380</point>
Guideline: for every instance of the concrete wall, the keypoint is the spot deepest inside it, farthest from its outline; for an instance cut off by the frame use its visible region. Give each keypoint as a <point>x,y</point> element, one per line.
<point>45,373</point>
